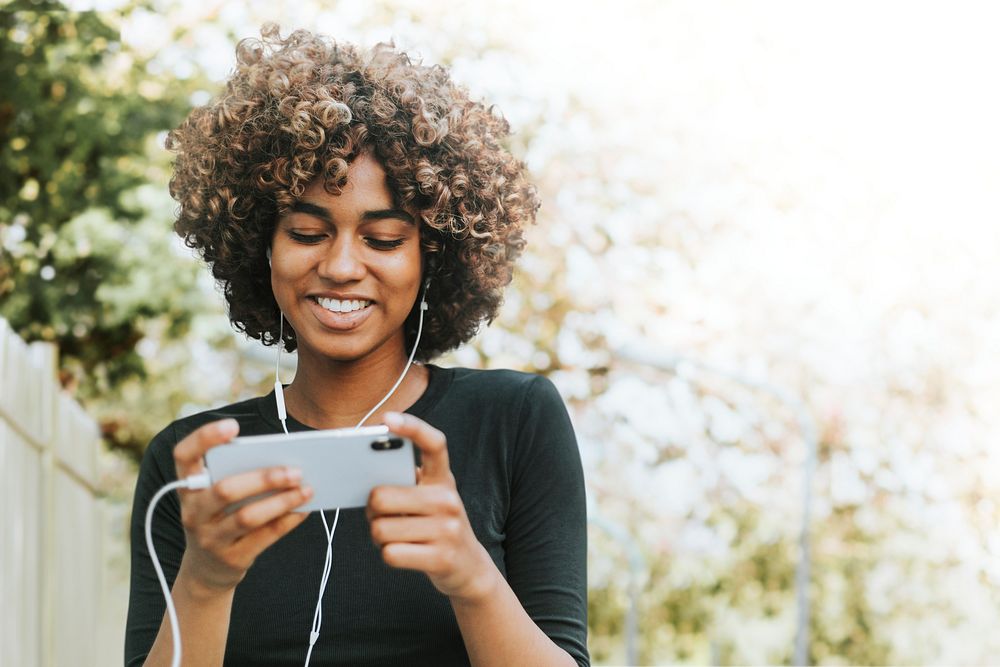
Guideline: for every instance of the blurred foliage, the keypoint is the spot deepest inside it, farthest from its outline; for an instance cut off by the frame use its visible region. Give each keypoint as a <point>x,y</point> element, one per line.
<point>712,226</point>
<point>843,622</point>
<point>87,261</point>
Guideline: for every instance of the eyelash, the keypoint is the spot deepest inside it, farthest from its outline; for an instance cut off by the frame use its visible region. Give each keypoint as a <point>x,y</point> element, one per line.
<point>377,244</point>
<point>310,239</point>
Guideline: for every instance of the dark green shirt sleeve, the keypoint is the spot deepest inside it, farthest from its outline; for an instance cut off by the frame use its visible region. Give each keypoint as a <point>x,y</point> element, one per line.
<point>546,531</point>
<point>146,605</point>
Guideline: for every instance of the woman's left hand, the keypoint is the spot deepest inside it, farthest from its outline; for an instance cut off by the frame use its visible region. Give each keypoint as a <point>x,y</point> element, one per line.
<point>424,527</point>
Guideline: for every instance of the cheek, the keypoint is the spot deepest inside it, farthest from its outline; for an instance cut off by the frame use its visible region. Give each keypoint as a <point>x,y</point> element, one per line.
<point>285,272</point>
<point>404,271</point>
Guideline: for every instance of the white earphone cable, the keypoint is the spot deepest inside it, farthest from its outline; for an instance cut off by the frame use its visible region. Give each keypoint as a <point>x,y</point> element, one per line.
<point>198,481</point>
<point>279,393</point>
<point>279,399</point>
<point>203,480</point>
<point>409,362</point>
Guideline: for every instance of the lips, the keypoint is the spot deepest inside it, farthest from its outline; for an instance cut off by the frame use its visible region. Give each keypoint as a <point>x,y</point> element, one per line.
<point>340,320</point>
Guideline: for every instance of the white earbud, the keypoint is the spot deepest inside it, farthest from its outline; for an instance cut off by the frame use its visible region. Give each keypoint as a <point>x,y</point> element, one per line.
<point>269,257</point>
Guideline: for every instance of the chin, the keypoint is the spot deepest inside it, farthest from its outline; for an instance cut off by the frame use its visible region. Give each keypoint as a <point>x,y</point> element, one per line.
<point>347,351</point>
<point>343,353</point>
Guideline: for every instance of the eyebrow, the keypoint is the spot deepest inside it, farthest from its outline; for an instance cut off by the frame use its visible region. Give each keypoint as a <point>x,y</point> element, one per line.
<point>380,214</point>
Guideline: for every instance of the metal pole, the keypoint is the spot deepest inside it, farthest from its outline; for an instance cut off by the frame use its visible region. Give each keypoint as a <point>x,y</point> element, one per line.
<point>645,355</point>
<point>636,566</point>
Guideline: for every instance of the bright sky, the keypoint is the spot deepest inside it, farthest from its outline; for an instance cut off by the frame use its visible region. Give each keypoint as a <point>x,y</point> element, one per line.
<point>854,144</point>
<point>849,152</point>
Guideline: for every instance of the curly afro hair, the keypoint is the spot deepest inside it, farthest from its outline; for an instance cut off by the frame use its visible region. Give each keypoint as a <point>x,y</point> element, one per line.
<point>303,107</point>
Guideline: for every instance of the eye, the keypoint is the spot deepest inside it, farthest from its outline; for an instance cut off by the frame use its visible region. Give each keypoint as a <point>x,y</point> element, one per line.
<point>383,244</point>
<point>309,239</point>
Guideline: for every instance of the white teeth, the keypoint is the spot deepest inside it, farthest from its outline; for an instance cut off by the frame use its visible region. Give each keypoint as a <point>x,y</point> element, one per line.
<point>338,306</point>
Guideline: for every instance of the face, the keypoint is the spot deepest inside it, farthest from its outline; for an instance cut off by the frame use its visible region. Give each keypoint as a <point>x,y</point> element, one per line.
<point>345,269</point>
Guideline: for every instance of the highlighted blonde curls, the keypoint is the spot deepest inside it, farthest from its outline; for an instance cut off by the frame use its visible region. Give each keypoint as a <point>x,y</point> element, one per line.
<point>302,107</point>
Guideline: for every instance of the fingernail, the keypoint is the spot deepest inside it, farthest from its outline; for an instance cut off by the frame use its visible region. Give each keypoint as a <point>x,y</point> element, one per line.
<point>393,419</point>
<point>228,427</point>
<point>294,474</point>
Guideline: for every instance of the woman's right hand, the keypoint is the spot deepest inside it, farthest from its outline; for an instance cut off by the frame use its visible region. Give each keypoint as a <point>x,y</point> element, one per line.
<point>221,546</point>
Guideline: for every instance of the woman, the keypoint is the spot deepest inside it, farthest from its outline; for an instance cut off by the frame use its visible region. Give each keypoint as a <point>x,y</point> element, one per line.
<point>331,190</point>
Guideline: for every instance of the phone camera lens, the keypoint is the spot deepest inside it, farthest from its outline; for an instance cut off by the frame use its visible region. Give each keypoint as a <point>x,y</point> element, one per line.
<point>386,444</point>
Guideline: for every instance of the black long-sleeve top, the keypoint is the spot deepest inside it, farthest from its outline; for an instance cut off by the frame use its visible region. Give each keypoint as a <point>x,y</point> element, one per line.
<point>517,468</point>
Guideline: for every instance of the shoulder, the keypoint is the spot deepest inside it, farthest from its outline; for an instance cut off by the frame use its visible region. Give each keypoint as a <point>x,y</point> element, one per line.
<point>501,394</point>
<point>497,382</point>
<point>247,413</point>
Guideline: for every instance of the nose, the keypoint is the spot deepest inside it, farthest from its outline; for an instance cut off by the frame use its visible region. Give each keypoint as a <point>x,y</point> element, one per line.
<point>342,263</point>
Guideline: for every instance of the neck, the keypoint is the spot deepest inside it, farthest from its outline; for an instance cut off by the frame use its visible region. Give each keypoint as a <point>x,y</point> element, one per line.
<point>337,394</point>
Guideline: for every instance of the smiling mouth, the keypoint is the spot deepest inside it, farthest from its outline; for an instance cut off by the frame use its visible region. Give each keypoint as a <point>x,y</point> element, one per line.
<point>342,306</point>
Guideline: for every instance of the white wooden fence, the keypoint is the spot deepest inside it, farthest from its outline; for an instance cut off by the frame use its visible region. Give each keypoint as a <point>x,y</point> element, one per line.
<point>63,559</point>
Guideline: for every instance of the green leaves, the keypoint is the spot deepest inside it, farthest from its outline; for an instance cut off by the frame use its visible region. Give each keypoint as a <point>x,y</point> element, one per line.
<point>87,256</point>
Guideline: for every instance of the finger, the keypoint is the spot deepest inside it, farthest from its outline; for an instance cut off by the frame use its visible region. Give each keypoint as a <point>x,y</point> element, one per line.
<point>189,452</point>
<point>239,487</point>
<point>259,513</point>
<point>253,543</point>
<point>409,556</point>
<point>388,529</point>
<point>221,530</point>
<point>413,500</point>
<point>431,442</point>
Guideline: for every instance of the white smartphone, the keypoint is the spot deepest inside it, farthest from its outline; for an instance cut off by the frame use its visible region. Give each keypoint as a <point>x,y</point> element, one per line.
<point>341,465</point>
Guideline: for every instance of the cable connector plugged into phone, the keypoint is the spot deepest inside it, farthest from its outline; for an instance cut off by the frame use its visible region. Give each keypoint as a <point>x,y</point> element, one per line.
<point>201,480</point>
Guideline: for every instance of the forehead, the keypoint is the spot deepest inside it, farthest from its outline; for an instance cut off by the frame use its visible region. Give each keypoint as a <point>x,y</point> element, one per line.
<point>366,182</point>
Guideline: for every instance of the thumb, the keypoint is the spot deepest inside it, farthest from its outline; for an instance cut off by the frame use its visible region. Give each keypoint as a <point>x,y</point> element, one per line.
<point>433,446</point>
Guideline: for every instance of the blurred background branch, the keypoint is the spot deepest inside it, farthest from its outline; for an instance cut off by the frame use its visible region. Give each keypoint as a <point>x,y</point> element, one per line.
<point>799,194</point>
